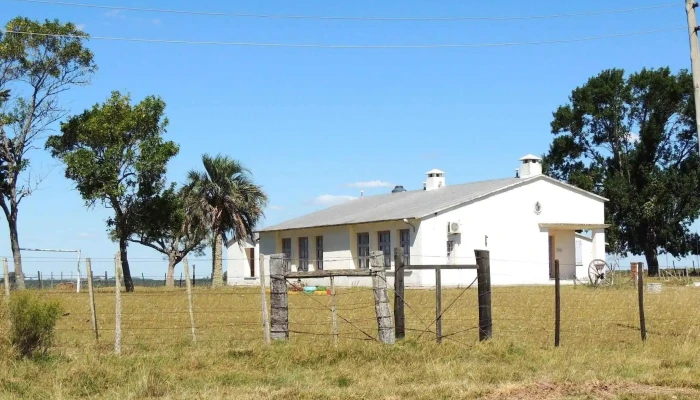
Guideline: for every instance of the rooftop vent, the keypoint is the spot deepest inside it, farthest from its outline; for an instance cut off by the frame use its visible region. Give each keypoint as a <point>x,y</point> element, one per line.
<point>398,189</point>
<point>531,166</point>
<point>436,179</point>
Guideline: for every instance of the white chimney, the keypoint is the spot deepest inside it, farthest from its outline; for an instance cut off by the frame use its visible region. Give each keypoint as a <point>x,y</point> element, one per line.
<point>531,166</point>
<point>435,180</point>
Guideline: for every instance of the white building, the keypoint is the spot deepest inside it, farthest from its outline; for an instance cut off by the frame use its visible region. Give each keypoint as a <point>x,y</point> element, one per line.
<point>525,222</point>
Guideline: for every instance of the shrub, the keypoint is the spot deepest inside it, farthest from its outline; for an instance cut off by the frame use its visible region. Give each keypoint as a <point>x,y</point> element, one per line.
<point>32,324</point>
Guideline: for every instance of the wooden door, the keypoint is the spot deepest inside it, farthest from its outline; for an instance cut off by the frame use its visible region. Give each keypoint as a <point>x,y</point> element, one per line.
<point>551,256</point>
<point>251,261</point>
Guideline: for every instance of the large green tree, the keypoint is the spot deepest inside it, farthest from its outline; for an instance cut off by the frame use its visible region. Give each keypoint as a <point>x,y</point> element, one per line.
<point>633,140</point>
<point>164,226</point>
<point>115,153</point>
<point>38,62</point>
<point>227,200</point>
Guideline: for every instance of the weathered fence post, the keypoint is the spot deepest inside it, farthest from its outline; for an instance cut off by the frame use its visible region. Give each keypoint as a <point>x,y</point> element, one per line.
<point>263,301</point>
<point>51,280</point>
<point>484,283</point>
<point>385,323</point>
<point>190,305</point>
<point>91,295</point>
<point>557,304</point>
<point>438,305</point>
<point>38,276</point>
<point>334,313</point>
<point>399,315</point>
<point>279,324</point>
<point>640,290</point>
<point>118,306</point>
<point>6,278</point>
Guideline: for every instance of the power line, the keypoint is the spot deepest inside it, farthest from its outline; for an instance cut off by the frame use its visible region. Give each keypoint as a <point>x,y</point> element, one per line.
<point>320,17</point>
<point>338,46</point>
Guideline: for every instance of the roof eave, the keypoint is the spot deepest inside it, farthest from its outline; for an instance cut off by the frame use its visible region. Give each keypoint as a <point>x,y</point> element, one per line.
<point>336,225</point>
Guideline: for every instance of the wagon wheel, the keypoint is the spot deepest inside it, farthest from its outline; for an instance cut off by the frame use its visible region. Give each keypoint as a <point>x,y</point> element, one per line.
<point>600,273</point>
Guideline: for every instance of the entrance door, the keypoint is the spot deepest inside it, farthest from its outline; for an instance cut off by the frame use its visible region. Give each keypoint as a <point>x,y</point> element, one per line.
<point>551,256</point>
<point>251,261</point>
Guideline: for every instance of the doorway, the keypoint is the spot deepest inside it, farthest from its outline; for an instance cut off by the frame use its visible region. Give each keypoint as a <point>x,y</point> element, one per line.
<point>251,261</point>
<point>551,256</point>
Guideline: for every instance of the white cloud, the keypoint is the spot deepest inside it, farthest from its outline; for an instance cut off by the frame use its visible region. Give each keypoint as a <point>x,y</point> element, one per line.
<point>115,14</point>
<point>276,208</point>
<point>331,200</point>
<point>81,27</point>
<point>369,184</point>
<point>633,137</point>
<point>156,21</point>
<point>86,235</point>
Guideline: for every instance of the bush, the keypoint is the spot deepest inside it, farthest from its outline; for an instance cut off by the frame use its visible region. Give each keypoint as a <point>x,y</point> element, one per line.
<point>32,324</point>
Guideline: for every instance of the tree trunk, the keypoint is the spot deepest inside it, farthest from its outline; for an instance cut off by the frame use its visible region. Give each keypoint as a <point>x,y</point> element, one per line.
<point>128,283</point>
<point>170,279</point>
<point>217,279</point>
<point>16,253</point>
<point>652,261</point>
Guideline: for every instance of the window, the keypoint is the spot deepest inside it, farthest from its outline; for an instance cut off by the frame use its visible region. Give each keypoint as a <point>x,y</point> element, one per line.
<point>385,247</point>
<point>363,249</point>
<point>405,243</point>
<point>450,251</point>
<point>319,253</point>
<point>303,254</point>
<point>287,248</point>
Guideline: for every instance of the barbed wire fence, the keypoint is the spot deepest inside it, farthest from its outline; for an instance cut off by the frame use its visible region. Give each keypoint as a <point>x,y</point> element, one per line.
<point>335,309</point>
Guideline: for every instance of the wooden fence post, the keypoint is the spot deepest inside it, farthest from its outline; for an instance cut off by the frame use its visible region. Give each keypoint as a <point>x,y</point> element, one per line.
<point>484,283</point>
<point>385,323</point>
<point>6,278</point>
<point>91,295</point>
<point>334,313</point>
<point>399,307</point>
<point>557,304</point>
<point>190,305</point>
<point>279,324</point>
<point>263,301</point>
<point>438,305</point>
<point>640,291</point>
<point>38,276</point>
<point>118,306</point>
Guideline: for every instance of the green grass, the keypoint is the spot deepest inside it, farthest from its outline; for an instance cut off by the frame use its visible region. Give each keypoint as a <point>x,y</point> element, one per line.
<point>601,356</point>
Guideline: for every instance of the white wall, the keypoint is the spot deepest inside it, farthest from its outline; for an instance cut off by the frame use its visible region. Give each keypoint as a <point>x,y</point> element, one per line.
<point>586,258</point>
<point>565,252</point>
<point>340,249</point>
<point>237,264</point>
<point>518,247</point>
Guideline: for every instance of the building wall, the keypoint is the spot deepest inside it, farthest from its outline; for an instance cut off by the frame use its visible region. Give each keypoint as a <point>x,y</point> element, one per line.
<point>340,249</point>
<point>237,265</point>
<point>507,226</point>
<point>586,249</point>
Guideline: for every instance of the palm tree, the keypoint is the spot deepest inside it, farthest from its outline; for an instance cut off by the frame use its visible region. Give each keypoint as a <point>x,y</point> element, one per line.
<point>225,198</point>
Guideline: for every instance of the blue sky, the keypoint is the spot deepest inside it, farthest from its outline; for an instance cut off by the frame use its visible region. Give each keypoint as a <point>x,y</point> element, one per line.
<point>311,122</point>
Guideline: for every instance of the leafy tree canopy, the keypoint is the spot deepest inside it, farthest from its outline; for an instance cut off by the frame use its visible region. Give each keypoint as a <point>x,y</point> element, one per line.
<point>38,62</point>
<point>633,140</point>
<point>116,155</point>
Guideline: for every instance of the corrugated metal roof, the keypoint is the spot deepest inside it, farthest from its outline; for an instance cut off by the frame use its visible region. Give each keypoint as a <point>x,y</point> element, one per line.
<point>395,206</point>
<point>408,204</point>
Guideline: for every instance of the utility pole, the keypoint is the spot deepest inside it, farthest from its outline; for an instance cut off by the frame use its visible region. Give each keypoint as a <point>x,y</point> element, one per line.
<point>690,6</point>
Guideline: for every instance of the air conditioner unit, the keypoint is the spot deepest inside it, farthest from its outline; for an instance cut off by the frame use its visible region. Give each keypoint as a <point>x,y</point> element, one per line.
<point>453,227</point>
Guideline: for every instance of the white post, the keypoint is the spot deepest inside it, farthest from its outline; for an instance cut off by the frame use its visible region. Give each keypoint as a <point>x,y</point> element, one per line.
<point>599,244</point>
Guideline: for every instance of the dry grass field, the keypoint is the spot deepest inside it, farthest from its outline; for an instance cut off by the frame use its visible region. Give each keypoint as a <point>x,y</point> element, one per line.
<point>601,355</point>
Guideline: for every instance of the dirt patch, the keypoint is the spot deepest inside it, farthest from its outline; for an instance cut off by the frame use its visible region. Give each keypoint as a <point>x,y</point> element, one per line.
<point>597,390</point>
